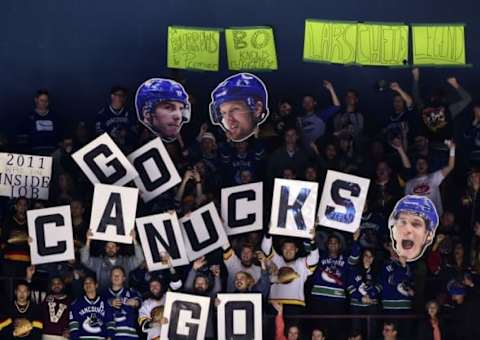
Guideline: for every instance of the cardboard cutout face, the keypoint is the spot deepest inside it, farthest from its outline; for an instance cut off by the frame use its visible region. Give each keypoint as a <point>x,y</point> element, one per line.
<point>239,105</point>
<point>163,106</point>
<point>412,225</point>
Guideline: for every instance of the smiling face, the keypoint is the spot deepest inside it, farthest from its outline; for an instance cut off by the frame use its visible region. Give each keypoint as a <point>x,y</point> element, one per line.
<point>167,118</point>
<point>333,246</point>
<point>367,259</point>
<point>410,235</point>
<point>317,334</point>
<point>89,286</point>
<point>117,277</point>
<point>238,119</point>
<point>293,333</point>
<point>289,251</point>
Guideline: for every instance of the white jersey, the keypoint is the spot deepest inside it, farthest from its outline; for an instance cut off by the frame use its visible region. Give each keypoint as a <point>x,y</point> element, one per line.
<point>234,265</point>
<point>429,186</point>
<point>290,293</point>
<point>146,314</point>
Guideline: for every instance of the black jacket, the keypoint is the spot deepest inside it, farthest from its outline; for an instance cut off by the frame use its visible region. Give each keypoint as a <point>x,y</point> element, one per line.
<point>425,330</point>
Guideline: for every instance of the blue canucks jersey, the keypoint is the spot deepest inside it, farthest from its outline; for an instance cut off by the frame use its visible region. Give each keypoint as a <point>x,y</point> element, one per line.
<point>125,317</point>
<point>90,319</point>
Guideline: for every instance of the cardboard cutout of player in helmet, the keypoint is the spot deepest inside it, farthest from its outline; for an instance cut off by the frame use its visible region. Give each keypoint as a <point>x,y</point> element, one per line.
<point>163,107</point>
<point>239,105</point>
<point>412,223</point>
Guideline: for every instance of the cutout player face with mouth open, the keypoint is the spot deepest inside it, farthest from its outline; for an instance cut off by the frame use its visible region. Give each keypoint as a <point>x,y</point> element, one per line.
<point>410,233</point>
<point>412,224</point>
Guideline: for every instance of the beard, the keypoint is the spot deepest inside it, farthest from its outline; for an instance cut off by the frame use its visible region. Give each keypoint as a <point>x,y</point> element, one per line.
<point>156,296</point>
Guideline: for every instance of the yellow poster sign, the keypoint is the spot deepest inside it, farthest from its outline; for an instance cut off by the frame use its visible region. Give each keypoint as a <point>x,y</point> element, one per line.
<point>330,42</point>
<point>382,44</point>
<point>193,48</point>
<point>438,44</point>
<point>251,48</point>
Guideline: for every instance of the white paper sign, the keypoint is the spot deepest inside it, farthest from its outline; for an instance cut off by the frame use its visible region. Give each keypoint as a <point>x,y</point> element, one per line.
<point>113,213</point>
<point>25,175</point>
<point>203,231</point>
<point>103,162</point>
<point>342,202</point>
<point>293,208</point>
<point>242,208</point>
<point>156,171</point>
<point>187,316</point>
<point>239,316</point>
<point>161,234</point>
<point>52,235</point>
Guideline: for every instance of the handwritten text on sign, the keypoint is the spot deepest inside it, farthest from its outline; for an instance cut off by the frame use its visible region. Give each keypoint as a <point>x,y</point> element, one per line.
<point>190,48</point>
<point>251,49</point>
<point>333,42</point>
<point>383,45</point>
<point>25,175</point>
<point>438,45</point>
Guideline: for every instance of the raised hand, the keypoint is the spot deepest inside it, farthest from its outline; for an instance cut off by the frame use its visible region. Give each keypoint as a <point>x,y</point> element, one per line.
<point>278,307</point>
<point>328,85</point>
<point>215,270</point>
<point>396,143</point>
<point>453,82</point>
<point>30,271</point>
<point>416,73</point>
<point>450,144</point>
<point>395,86</point>
<point>199,263</point>
<point>188,175</point>
<point>356,234</point>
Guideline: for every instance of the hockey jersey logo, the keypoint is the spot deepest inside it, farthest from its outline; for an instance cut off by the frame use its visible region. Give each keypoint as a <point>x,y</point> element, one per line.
<point>92,325</point>
<point>332,275</point>
<point>434,118</point>
<point>422,189</point>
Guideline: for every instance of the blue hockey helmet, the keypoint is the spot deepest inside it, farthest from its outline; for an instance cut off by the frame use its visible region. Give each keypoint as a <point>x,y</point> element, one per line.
<point>157,90</point>
<point>241,86</point>
<point>419,205</point>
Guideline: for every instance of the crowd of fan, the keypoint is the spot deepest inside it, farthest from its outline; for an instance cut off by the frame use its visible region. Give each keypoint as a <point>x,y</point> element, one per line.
<point>336,273</point>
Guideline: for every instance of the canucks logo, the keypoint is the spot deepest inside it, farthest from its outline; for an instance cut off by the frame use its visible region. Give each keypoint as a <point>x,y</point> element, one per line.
<point>92,325</point>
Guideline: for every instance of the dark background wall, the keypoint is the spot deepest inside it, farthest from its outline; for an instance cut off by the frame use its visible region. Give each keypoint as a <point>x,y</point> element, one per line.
<point>79,48</point>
